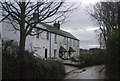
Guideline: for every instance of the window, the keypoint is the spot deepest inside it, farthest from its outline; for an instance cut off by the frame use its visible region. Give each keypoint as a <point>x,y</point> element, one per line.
<point>73,42</point>
<point>70,42</point>
<point>37,36</point>
<point>65,40</point>
<point>78,43</point>
<point>37,32</point>
<point>37,52</point>
<point>55,38</point>
<point>55,53</point>
<point>47,35</point>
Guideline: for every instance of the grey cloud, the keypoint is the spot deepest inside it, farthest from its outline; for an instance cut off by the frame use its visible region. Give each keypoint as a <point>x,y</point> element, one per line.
<point>79,25</point>
<point>79,18</point>
<point>88,41</point>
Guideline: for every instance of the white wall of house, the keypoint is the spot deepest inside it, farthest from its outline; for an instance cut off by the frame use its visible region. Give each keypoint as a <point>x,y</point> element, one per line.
<point>9,33</point>
<point>66,43</point>
<point>41,44</point>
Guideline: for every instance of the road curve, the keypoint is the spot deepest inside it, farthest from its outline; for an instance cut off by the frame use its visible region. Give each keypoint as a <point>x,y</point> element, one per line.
<point>93,72</point>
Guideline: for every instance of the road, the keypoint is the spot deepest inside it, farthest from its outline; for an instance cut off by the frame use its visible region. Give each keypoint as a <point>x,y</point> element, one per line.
<point>93,72</point>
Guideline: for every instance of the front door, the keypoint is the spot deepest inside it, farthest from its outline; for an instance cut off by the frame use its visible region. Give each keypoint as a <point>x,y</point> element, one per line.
<point>46,53</point>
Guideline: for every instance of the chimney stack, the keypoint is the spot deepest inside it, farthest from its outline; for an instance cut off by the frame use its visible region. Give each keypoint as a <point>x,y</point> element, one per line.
<point>57,25</point>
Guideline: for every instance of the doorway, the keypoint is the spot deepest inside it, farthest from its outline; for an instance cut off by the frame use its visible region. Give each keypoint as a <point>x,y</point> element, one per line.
<point>46,53</point>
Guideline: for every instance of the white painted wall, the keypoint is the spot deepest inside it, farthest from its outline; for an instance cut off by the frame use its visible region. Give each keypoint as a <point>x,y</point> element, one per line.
<point>41,44</point>
<point>61,42</point>
<point>10,34</point>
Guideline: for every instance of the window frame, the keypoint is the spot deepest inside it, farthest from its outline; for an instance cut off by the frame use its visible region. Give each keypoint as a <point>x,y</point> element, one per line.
<point>78,43</point>
<point>70,42</point>
<point>65,42</point>
<point>37,34</point>
<point>55,53</point>
<point>47,35</point>
<point>55,38</point>
<point>73,42</point>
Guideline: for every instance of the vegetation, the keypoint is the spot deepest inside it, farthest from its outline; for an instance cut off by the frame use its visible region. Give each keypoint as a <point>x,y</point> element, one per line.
<point>107,15</point>
<point>113,55</point>
<point>88,58</point>
<point>34,68</point>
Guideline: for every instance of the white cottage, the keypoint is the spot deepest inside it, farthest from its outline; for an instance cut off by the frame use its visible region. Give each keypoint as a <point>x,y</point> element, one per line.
<point>50,41</point>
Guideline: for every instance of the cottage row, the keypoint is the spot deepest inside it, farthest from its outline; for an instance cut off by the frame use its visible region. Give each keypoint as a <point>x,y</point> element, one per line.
<point>49,41</point>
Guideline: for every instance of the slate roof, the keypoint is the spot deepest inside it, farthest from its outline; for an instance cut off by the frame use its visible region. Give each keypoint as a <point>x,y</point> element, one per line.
<point>58,31</point>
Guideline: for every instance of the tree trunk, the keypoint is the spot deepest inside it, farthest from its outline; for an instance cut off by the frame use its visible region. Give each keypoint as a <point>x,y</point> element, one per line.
<point>21,55</point>
<point>22,43</point>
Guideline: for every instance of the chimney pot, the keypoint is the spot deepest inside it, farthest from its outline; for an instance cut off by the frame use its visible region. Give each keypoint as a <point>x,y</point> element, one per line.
<point>57,25</point>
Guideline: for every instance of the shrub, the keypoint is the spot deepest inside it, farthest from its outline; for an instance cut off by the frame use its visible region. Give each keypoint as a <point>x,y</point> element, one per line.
<point>113,55</point>
<point>48,69</point>
<point>9,59</point>
<point>93,58</point>
<point>34,68</point>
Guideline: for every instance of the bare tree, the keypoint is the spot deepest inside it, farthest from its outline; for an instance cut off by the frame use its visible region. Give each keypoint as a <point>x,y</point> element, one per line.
<point>28,14</point>
<point>25,15</point>
<point>106,15</point>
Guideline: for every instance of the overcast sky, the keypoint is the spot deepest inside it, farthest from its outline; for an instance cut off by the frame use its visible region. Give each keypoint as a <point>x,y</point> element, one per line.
<point>81,26</point>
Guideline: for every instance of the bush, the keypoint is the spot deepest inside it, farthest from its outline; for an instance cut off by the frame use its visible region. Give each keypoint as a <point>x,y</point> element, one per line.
<point>34,68</point>
<point>9,59</point>
<point>93,58</point>
<point>51,69</point>
<point>113,56</point>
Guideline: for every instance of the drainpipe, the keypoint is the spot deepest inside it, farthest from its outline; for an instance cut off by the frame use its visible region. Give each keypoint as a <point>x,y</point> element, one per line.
<point>50,45</point>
